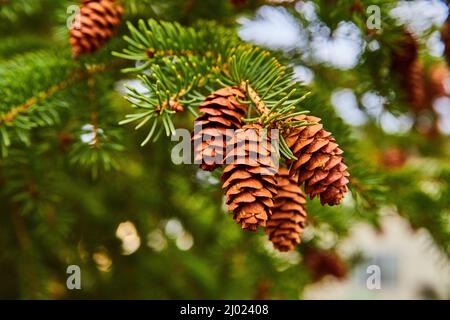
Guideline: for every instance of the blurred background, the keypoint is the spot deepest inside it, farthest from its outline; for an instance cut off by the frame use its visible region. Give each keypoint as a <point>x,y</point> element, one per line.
<point>141,227</point>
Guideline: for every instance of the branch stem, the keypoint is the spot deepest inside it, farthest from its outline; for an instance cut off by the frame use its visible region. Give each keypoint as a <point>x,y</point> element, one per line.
<point>256,99</point>
<point>76,76</point>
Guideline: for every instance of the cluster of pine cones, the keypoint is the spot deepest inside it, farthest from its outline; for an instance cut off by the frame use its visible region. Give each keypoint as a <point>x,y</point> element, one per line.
<point>258,192</point>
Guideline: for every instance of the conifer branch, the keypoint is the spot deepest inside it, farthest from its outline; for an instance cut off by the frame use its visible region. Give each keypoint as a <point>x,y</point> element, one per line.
<point>9,116</point>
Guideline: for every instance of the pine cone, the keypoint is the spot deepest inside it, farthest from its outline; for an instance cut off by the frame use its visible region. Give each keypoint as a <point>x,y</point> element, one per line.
<point>357,7</point>
<point>322,263</point>
<point>413,83</point>
<point>406,51</point>
<point>445,35</point>
<point>287,222</point>
<point>409,70</point>
<point>238,3</point>
<point>319,164</point>
<point>249,177</point>
<point>438,81</point>
<point>97,20</point>
<point>221,111</point>
<point>393,158</point>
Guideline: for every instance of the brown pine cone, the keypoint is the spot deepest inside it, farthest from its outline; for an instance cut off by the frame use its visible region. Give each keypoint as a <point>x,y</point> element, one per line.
<point>220,111</point>
<point>238,3</point>
<point>409,71</point>
<point>287,222</point>
<point>445,35</point>
<point>406,51</point>
<point>320,164</point>
<point>437,81</point>
<point>413,83</point>
<point>394,158</point>
<point>97,20</point>
<point>249,177</point>
<point>357,7</point>
<point>322,263</point>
